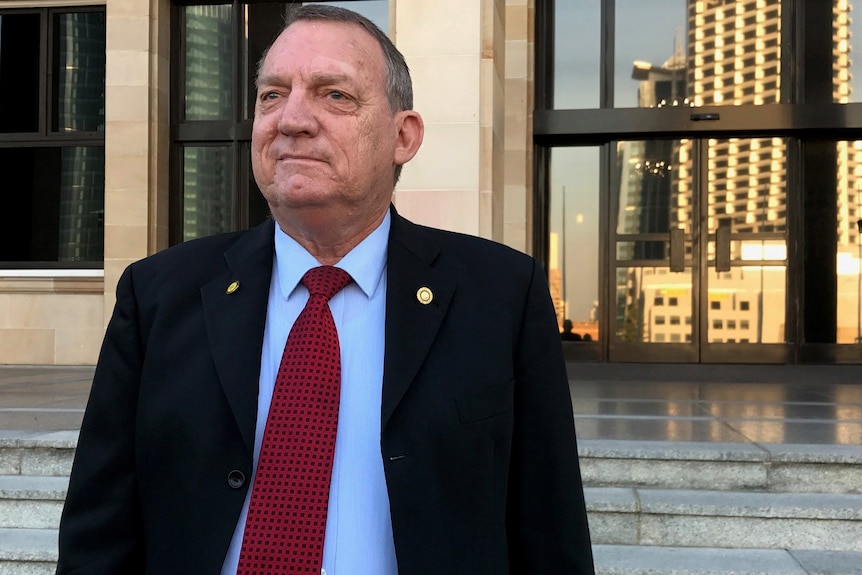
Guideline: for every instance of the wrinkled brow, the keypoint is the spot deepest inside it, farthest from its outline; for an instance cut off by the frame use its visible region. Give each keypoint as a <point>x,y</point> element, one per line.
<point>317,79</point>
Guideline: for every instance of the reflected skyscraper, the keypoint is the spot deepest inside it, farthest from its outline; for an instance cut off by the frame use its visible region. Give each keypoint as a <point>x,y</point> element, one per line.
<point>207,170</point>
<point>732,57</point>
<point>79,106</point>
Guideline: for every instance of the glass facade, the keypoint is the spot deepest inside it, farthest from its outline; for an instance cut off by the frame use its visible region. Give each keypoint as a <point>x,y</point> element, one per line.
<point>574,215</point>
<point>577,49</point>
<point>207,199</point>
<point>52,146</point>
<point>207,56</point>
<point>79,72</point>
<point>716,188</point>
<point>21,53</point>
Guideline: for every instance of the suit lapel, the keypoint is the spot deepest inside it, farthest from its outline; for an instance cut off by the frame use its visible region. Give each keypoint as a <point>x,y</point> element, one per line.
<point>235,315</point>
<point>411,326</point>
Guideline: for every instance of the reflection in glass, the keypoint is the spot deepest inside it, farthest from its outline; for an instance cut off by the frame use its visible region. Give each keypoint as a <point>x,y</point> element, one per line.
<point>697,53</point>
<point>646,301</point>
<point>79,72</point>
<point>82,204</point>
<point>577,45</point>
<point>849,249</point>
<point>207,191</point>
<point>574,242</point>
<point>746,305</point>
<point>19,67</point>
<point>747,194</point>
<point>846,51</point>
<point>747,185</point>
<point>650,50</point>
<point>207,57</point>
<point>57,212</point>
<point>649,193</point>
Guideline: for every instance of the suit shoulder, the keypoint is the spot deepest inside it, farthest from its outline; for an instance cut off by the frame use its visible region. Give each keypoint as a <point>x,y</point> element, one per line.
<point>474,250</point>
<point>201,256</point>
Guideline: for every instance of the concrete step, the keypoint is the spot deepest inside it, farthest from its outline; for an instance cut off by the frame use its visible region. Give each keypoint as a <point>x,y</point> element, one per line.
<point>722,466</point>
<point>31,502</point>
<point>660,464</point>
<point>34,552</point>
<point>742,520</point>
<point>34,453</point>
<point>28,551</point>
<point>633,560</point>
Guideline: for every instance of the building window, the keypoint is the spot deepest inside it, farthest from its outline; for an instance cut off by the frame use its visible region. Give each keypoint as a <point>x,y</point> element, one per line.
<point>715,305</point>
<point>52,137</point>
<point>659,300</point>
<point>744,305</point>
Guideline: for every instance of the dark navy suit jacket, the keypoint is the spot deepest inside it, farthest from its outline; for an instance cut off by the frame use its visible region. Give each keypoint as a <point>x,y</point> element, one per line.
<point>477,441</point>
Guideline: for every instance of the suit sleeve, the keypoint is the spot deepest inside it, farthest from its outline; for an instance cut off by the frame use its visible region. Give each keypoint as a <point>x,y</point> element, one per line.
<point>100,529</point>
<point>546,518</point>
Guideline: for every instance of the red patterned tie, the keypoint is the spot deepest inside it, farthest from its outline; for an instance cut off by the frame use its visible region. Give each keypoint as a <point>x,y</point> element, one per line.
<point>286,520</point>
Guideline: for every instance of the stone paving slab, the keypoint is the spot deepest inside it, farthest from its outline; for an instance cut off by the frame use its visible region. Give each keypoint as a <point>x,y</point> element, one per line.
<point>634,560</point>
<point>720,451</point>
<point>28,544</point>
<point>813,453</point>
<point>829,562</point>
<point>33,487</point>
<point>692,518</point>
<point>29,439</point>
<point>749,504</point>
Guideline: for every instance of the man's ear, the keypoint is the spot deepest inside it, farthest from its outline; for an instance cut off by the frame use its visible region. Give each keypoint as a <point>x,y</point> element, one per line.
<point>411,131</point>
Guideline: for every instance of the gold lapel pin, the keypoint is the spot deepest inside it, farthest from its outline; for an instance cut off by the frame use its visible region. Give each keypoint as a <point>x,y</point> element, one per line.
<point>232,287</point>
<point>424,295</point>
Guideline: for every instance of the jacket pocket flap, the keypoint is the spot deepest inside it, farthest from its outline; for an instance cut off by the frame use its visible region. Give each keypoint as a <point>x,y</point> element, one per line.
<point>485,403</point>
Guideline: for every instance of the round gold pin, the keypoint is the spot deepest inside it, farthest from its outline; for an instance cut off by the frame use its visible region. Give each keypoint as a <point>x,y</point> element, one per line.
<point>232,287</point>
<point>424,295</point>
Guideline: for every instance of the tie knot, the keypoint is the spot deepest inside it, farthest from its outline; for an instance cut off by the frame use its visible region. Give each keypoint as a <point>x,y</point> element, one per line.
<point>325,280</point>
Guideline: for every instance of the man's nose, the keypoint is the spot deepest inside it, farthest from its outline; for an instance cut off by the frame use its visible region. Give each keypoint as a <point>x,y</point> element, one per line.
<point>297,115</point>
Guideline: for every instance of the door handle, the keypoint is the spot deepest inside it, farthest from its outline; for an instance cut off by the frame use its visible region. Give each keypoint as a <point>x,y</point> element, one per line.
<point>677,250</point>
<point>722,249</point>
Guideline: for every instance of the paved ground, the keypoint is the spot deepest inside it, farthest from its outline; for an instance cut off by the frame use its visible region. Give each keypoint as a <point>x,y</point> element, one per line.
<point>718,403</point>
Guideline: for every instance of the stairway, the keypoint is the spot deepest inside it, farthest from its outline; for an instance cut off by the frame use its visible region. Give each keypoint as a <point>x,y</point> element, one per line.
<point>34,474</point>
<point>706,508</point>
<point>660,508</point>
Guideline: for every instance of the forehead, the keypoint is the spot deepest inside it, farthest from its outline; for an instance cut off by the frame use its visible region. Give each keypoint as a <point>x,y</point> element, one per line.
<point>312,46</point>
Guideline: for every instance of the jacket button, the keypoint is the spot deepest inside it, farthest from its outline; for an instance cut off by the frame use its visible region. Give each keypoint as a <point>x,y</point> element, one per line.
<point>236,479</point>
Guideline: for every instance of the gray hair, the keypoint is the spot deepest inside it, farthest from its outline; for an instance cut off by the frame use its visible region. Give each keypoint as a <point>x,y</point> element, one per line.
<point>399,86</point>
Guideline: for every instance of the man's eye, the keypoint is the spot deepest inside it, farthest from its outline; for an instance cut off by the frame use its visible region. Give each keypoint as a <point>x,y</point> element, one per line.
<point>269,96</point>
<point>336,95</point>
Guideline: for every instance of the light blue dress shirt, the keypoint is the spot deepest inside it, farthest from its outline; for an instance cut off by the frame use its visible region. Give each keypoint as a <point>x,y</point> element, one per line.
<point>358,526</point>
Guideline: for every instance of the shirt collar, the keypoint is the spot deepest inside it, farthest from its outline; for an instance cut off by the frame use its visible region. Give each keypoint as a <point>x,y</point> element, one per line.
<point>365,263</point>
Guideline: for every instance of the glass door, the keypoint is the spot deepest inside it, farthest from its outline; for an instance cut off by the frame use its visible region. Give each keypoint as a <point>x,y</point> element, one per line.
<point>744,237</point>
<point>699,250</point>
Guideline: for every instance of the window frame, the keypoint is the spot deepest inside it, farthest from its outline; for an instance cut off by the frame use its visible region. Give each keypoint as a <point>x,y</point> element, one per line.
<point>44,136</point>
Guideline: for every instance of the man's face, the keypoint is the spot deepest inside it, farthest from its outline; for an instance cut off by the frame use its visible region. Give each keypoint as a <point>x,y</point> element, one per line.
<point>324,142</point>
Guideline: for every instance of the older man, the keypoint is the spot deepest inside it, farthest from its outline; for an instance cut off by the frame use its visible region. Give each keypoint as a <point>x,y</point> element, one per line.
<point>337,390</point>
